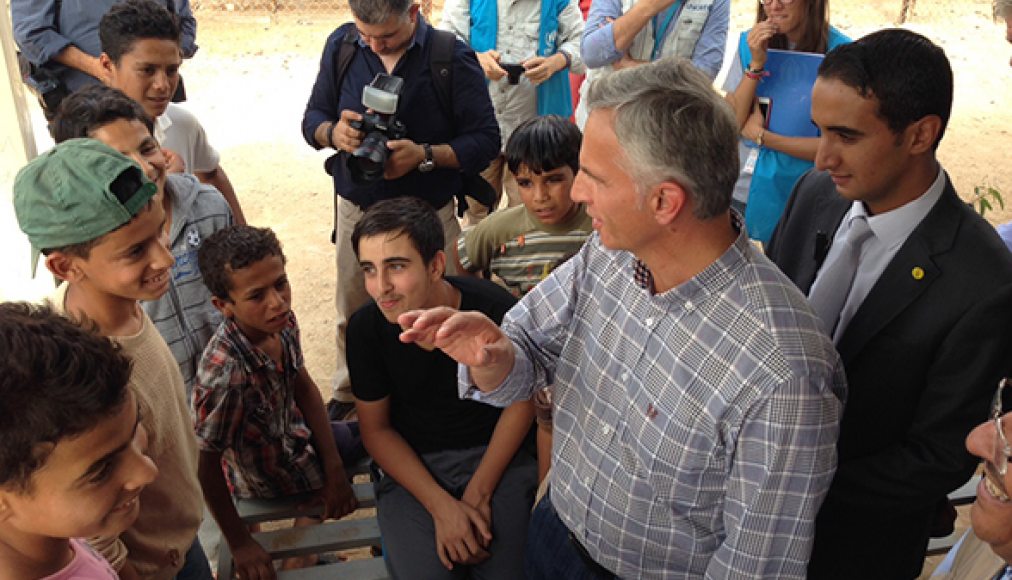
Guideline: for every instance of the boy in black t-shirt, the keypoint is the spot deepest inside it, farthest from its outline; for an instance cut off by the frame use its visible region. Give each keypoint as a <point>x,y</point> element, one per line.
<point>456,487</point>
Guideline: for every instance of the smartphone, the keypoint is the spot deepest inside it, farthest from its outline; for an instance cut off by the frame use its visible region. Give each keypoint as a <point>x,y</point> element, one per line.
<point>764,109</point>
<point>513,72</point>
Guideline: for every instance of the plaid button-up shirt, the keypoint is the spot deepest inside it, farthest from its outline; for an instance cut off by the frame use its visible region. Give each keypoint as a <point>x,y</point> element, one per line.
<point>695,430</point>
<point>244,406</point>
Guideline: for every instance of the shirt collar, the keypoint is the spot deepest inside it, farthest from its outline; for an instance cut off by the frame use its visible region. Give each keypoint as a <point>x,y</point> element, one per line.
<point>251,357</point>
<point>893,227</point>
<point>162,124</point>
<point>717,275</point>
<point>564,227</point>
<point>420,38</point>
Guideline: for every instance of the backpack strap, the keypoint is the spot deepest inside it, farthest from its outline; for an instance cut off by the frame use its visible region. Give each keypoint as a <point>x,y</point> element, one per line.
<point>346,52</point>
<point>441,65</point>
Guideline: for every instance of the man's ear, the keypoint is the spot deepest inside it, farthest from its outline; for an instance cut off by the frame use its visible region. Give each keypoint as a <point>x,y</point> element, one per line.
<point>224,306</point>
<point>413,13</point>
<point>437,266</point>
<point>5,507</point>
<point>109,67</point>
<point>923,133</point>
<point>65,267</point>
<point>667,200</point>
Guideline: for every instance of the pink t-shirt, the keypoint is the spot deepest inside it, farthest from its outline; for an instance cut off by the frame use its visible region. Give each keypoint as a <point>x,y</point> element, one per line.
<point>86,565</point>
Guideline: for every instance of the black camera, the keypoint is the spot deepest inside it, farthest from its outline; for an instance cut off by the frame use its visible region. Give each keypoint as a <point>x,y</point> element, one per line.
<point>513,72</point>
<point>379,125</point>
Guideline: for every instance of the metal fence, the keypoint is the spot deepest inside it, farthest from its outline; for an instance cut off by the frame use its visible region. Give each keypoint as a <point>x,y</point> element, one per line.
<point>294,6</point>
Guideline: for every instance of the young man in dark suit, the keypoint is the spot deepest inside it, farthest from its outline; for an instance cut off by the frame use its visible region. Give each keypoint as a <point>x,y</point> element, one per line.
<point>922,328</point>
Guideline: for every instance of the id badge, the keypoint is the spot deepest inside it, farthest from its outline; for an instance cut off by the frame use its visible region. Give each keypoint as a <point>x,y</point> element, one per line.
<point>753,156</point>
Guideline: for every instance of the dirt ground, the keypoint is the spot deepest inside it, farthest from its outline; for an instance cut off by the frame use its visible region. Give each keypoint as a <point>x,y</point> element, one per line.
<point>251,78</point>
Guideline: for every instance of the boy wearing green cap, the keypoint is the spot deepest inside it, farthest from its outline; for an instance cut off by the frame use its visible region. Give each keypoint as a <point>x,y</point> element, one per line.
<point>89,210</point>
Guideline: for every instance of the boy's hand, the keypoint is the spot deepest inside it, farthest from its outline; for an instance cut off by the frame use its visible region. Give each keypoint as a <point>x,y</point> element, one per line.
<point>252,562</point>
<point>173,162</point>
<point>461,534</point>
<point>479,501</point>
<point>337,497</point>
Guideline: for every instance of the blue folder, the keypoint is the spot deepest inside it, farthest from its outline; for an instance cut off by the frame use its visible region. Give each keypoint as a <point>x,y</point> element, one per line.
<point>788,86</point>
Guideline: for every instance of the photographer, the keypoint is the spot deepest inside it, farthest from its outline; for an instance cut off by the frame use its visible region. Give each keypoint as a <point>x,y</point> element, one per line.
<point>445,141</point>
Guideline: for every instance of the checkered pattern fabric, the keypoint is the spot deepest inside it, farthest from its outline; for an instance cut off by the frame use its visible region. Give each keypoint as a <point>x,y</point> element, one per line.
<point>695,430</point>
<point>244,406</point>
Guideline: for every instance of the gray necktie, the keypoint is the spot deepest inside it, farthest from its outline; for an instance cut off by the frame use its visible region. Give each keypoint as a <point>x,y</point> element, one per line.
<point>834,283</point>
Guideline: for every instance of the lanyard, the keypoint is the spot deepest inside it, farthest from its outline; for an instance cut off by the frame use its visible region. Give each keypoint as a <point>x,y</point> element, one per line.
<point>661,31</point>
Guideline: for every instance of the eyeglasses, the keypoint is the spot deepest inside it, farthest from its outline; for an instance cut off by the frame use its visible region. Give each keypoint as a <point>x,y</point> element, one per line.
<point>782,2</point>
<point>996,469</point>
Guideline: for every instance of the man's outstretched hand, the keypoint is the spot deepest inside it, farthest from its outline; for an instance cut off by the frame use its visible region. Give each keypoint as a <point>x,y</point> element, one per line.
<point>470,338</point>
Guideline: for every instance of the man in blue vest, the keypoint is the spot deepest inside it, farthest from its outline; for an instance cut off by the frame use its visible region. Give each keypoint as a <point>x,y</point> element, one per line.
<point>623,33</point>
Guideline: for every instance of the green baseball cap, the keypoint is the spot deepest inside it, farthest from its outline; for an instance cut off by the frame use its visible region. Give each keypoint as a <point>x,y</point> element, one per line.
<point>76,192</point>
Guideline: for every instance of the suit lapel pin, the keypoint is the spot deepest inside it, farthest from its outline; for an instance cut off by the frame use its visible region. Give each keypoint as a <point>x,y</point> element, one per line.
<point>917,273</point>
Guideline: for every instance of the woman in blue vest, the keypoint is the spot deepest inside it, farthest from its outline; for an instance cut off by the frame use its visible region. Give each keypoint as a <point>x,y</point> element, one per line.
<point>771,162</point>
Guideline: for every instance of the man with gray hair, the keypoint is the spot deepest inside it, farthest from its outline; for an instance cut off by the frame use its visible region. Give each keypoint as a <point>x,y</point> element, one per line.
<point>697,403</point>
<point>450,133</point>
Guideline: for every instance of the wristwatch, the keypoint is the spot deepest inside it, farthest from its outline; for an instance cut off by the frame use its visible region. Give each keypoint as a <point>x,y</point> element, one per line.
<point>428,164</point>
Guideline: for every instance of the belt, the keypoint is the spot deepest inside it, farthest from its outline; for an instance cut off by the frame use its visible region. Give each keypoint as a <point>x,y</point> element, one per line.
<point>591,564</point>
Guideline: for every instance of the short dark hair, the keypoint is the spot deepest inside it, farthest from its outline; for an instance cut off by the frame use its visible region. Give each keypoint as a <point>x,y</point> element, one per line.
<point>544,143</point>
<point>84,111</point>
<point>909,75</point>
<point>234,248</point>
<point>57,381</point>
<point>378,11</point>
<point>81,250</point>
<point>127,22</point>
<point>403,215</point>
<point>92,107</point>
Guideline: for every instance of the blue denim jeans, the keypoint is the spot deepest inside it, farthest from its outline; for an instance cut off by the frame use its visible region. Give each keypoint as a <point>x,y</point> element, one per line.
<point>195,567</point>
<point>349,442</point>
<point>551,553</point>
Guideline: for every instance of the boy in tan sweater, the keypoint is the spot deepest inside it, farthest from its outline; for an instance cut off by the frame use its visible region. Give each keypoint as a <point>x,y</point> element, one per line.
<point>94,215</point>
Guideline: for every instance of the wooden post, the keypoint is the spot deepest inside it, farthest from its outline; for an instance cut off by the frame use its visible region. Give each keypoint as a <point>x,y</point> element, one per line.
<point>906,9</point>
<point>17,146</point>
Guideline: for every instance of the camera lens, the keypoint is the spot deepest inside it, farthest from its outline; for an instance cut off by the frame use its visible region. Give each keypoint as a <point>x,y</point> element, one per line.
<point>367,162</point>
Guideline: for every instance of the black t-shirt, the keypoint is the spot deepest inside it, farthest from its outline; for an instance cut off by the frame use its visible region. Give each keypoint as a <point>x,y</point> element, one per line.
<point>422,385</point>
